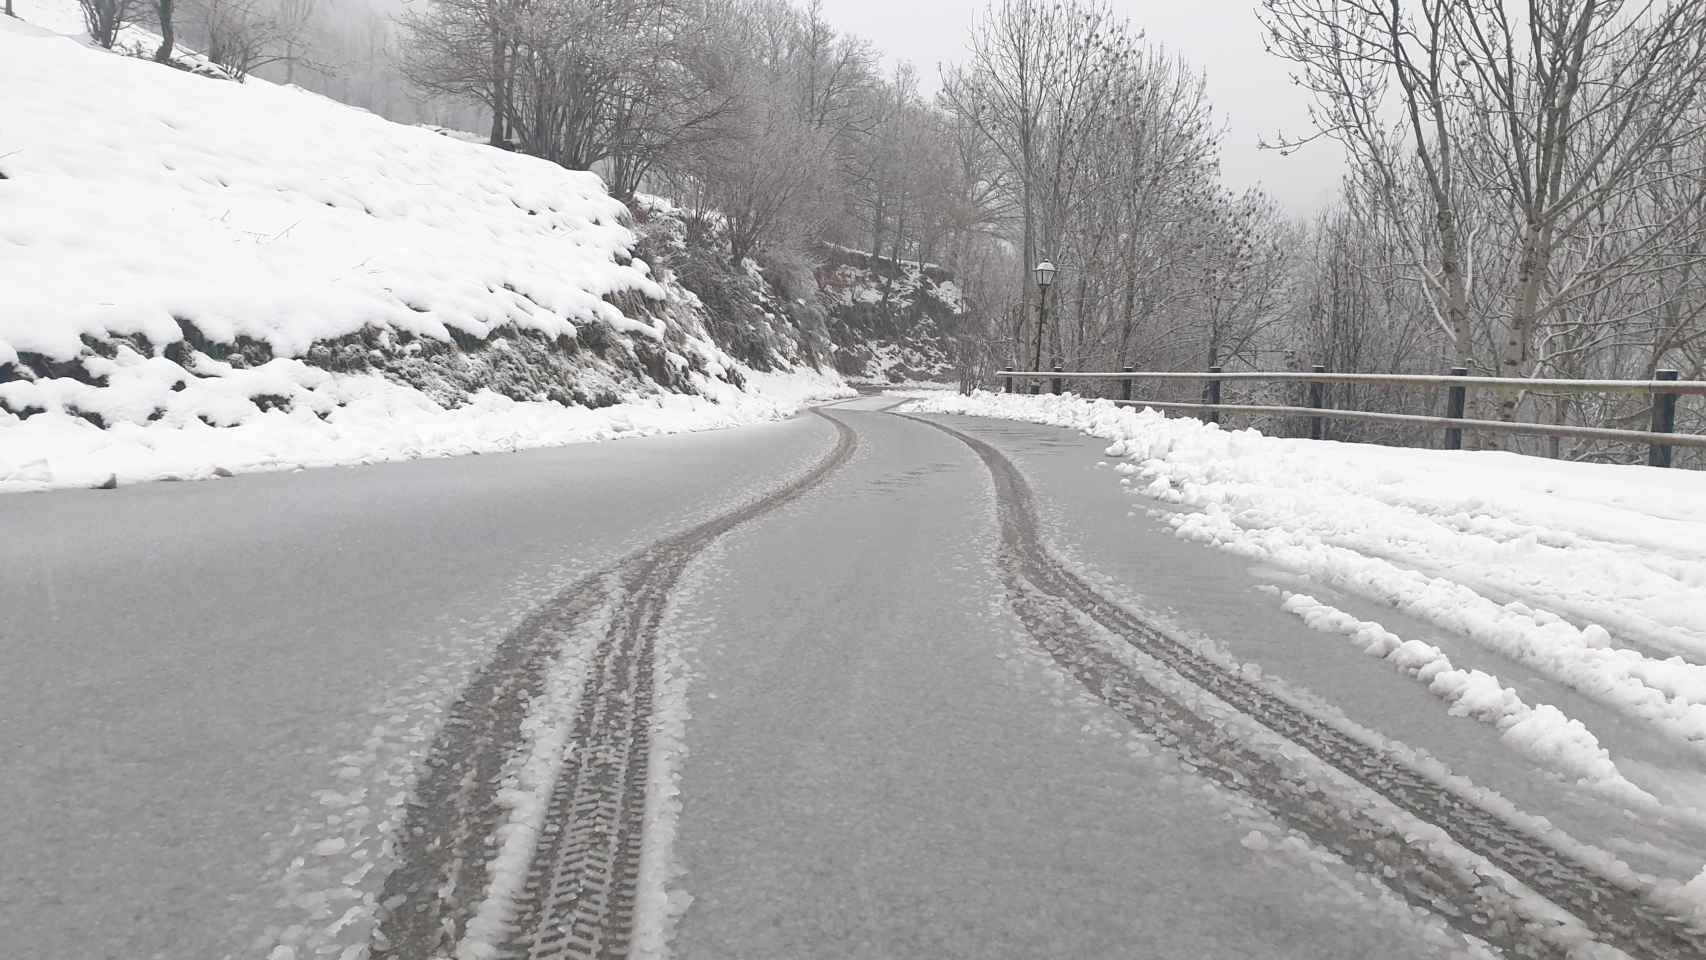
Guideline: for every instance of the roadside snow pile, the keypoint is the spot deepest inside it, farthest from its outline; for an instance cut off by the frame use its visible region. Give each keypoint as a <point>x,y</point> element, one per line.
<point>198,275</point>
<point>1610,561</point>
<point>1543,732</point>
<point>369,419</point>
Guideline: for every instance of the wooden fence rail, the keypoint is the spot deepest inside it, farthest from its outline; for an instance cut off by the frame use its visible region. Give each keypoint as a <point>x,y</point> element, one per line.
<point>1664,390</point>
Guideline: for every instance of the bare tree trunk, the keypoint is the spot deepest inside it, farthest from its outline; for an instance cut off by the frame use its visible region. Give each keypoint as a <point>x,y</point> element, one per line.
<point>888,278</point>
<point>500,86</point>
<point>1456,287</point>
<point>1519,331</point>
<point>167,40</point>
<point>1030,261</point>
<point>1083,321</point>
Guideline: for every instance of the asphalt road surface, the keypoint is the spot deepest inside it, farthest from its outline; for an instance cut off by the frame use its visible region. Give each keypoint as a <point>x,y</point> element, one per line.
<point>854,685</point>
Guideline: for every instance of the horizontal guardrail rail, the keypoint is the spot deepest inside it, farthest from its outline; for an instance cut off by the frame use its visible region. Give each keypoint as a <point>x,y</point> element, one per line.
<point>1664,390</point>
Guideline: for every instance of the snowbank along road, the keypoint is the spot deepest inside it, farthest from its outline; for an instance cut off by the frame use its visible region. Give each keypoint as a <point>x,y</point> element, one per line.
<point>867,683</point>
<point>1053,603</point>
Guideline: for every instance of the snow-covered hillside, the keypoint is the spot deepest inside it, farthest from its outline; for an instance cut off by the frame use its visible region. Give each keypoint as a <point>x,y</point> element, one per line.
<point>198,275</point>
<point>892,322</point>
<point>763,317</point>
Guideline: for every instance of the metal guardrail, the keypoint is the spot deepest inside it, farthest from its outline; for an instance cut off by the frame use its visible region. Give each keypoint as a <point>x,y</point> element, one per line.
<point>1664,390</point>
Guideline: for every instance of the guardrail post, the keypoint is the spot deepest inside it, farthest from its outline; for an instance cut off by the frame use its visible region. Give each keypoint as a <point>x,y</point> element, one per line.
<point>1055,381</point>
<point>1664,420</point>
<point>1125,383</point>
<point>1317,399</point>
<point>1036,384</point>
<point>1456,399</point>
<point>1009,379</point>
<point>1211,396</point>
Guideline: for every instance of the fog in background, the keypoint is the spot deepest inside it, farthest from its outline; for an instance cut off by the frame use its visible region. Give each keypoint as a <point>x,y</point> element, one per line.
<point>1251,91</point>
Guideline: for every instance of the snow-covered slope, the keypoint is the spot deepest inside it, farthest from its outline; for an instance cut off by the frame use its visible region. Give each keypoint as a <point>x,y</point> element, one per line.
<point>892,322</point>
<point>251,271</point>
<point>765,317</point>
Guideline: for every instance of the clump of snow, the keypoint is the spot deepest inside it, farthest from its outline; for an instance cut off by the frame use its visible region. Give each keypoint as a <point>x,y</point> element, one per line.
<point>1541,731</point>
<point>1444,536</point>
<point>1694,893</point>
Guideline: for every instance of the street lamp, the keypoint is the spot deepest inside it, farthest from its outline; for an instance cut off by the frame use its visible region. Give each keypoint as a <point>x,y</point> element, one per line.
<point>1045,279</point>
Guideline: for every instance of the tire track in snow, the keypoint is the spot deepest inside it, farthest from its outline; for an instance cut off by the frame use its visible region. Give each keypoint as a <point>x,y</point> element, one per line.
<point>453,809</point>
<point>1052,602</point>
<point>579,895</point>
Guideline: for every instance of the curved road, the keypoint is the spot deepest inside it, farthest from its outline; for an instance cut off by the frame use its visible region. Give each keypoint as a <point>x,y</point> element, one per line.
<point>854,685</point>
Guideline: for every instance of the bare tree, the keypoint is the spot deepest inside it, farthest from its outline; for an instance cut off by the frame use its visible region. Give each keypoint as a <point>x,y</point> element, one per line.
<point>465,48</point>
<point>103,19</point>
<point>1238,271</point>
<point>881,163</point>
<point>830,72</point>
<point>771,186</point>
<point>165,11</point>
<point>1038,75</point>
<point>1360,61</point>
<point>680,94</point>
<point>1574,106</point>
<point>294,20</point>
<point>622,85</point>
<point>1135,229</point>
<point>241,35</point>
<point>1524,128</point>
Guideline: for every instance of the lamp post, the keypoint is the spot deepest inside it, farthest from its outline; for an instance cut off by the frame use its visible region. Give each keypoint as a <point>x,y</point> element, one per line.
<point>1045,279</point>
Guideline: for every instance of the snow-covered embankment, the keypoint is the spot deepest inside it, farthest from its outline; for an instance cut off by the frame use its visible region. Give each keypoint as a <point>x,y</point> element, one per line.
<point>200,277</point>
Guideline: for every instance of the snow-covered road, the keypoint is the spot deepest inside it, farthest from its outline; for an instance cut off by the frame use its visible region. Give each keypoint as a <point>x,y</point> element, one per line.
<point>852,685</point>
<point>882,763</point>
<point>205,683</point>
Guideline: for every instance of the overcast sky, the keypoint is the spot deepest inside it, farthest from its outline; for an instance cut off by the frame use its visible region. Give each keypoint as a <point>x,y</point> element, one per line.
<point>1251,91</point>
